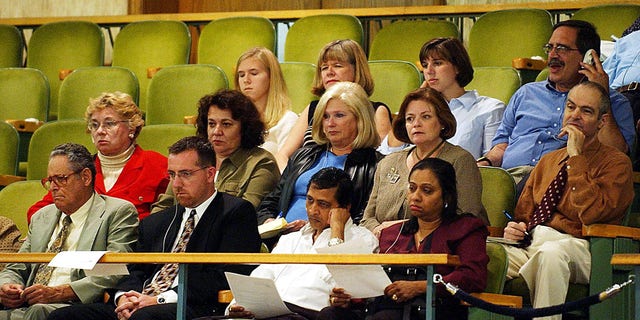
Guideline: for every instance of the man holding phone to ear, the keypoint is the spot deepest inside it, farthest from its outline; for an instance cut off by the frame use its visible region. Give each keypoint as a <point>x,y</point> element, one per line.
<point>533,118</point>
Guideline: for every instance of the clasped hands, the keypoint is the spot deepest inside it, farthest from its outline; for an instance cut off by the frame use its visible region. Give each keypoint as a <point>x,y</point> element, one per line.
<point>14,295</point>
<point>131,301</point>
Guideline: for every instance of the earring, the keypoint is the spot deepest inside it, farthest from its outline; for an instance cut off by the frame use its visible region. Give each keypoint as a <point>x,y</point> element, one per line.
<point>446,205</point>
<point>442,128</point>
<point>130,135</point>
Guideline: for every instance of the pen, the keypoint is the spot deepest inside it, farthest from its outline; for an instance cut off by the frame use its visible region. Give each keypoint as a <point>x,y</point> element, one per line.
<point>506,214</point>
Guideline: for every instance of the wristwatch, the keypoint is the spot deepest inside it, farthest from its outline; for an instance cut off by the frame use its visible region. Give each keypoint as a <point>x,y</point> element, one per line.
<point>335,242</point>
<point>161,300</point>
<point>485,159</point>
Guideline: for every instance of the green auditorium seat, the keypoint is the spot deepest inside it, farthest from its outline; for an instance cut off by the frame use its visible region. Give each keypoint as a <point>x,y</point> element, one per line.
<point>222,41</point>
<point>402,40</point>
<point>174,91</point>
<point>145,46</point>
<point>61,46</point>
<point>609,19</point>
<point>89,82</point>
<point>310,34</point>
<point>12,46</point>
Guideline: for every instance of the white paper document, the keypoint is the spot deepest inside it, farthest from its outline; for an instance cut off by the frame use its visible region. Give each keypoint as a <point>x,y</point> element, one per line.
<point>360,281</point>
<point>87,260</point>
<point>258,295</point>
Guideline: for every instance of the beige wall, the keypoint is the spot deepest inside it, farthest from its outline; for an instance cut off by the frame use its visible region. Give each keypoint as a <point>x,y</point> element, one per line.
<point>61,8</point>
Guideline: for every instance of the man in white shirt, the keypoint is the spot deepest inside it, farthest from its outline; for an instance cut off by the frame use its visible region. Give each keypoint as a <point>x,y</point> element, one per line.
<point>305,288</point>
<point>79,220</point>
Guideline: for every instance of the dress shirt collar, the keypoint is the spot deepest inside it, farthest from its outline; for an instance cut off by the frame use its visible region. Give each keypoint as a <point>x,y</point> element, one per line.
<point>79,216</point>
<point>199,209</point>
<point>466,100</point>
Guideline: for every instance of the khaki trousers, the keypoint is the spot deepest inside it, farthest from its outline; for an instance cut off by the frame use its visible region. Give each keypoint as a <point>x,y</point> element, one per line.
<point>549,264</point>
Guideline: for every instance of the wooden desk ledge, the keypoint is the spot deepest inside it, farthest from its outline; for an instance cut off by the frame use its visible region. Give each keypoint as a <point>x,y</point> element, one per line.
<point>627,259</point>
<point>498,299</point>
<point>636,177</point>
<point>251,258</point>
<point>6,179</point>
<point>610,231</point>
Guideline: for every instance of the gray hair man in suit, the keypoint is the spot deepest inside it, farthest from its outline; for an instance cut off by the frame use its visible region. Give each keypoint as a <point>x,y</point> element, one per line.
<point>79,220</point>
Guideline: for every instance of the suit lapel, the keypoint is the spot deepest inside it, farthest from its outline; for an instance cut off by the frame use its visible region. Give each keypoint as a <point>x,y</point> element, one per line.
<point>92,224</point>
<point>200,235</point>
<point>45,228</point>
<point>172,235</point>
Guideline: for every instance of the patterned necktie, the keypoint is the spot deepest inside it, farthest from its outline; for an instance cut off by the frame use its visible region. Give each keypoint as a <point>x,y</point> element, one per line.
<point>44,271</point>
<point>169,271</point>
<point>551,198</point>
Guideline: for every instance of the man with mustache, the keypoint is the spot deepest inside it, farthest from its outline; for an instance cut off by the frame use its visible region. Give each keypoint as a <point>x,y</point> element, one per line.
<point>592,184</point>
<point>533,118</point>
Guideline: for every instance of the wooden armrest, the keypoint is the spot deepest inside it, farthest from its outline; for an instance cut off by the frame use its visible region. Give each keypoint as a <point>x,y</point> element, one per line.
<point>528,64</point>
<point>190,120</point>
<point>636,174</point>
<point>63,73</point>
<point>25,126</point>
<point>495,231</point>
<point>499,299</point>
<point>610,231</point>
<point>7,179</point>
<point>151,71</point>
<point>225,296</point>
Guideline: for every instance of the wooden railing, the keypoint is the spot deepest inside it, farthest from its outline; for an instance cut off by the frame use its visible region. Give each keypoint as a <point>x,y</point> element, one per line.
<point>184,259</point>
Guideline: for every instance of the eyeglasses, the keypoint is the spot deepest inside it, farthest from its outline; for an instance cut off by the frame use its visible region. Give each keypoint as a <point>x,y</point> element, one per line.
<point>183,174</point>
<point>107,125</point>
<point>60,180</point>
<point>560,49</point>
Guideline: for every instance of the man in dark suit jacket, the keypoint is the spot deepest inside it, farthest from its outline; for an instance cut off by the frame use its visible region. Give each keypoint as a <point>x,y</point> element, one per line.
<point>222,224</point>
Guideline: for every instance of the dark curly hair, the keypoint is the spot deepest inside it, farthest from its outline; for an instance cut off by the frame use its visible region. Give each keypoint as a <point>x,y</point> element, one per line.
<point>252,129</point>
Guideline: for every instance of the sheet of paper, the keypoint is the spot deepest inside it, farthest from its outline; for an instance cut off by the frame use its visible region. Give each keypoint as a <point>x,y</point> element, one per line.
<point>349,247</point>
<point>87,260</point>
<point>257,295</point>
<point>76,259</point>
<point>108,269</point>
<point>360,281</point>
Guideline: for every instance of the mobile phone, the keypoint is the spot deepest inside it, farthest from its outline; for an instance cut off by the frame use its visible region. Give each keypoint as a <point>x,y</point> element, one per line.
<point>588,57</point>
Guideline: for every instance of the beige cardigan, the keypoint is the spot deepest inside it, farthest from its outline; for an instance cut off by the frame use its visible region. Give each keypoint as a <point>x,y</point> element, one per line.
<point>388,197</point>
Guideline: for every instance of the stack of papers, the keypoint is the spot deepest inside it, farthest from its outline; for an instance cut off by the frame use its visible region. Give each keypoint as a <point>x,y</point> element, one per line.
<point>273,228</point>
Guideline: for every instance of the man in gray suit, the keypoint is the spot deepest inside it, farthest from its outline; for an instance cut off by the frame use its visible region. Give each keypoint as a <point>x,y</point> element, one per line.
<point>79,220</point>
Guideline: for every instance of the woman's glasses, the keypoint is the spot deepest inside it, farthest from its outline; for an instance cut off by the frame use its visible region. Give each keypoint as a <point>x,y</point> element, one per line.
<point>107,125</point>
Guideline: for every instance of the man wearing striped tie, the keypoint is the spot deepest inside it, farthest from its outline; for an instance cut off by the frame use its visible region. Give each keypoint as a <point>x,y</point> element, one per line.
<point>584,183</point>
<point>78,220</point>
<point>204,220</point>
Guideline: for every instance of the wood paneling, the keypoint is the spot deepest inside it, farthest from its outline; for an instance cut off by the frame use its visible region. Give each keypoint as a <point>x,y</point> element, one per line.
<point>243,5</point>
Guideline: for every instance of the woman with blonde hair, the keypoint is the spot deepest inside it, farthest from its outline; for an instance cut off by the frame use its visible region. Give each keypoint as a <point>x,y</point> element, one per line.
<point>346,137</point>
<point>339,60</point>
<point>259,77</point>
<point>123,169</point>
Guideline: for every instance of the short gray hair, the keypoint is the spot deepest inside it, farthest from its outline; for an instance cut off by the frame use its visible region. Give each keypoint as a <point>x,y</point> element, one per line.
<point>78,156</point>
